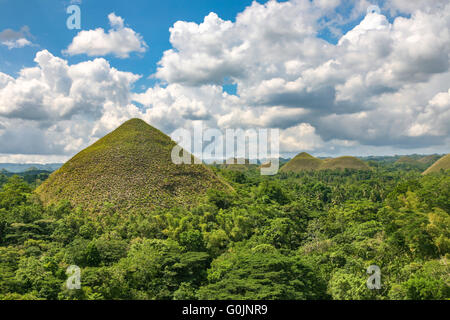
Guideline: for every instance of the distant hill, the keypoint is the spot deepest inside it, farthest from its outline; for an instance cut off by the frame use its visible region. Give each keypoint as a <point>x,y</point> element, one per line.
<point>430,159</point>
<point>407,159</point>
<point>345,162</point>
<point>443,163</point>
<point>29,172</point>
<point>413,159</point>
<point>418,160</point>
<point>302,161</point>
<point>32,176</point>
<point>22,167</point>
<point>131,168</point>
<point>305,161</point>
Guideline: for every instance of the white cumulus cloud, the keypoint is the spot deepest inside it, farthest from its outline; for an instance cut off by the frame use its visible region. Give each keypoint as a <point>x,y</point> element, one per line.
<point>119,41</point>
<point>368,89</point>
<point>55,108</point>
<point>382,87</point>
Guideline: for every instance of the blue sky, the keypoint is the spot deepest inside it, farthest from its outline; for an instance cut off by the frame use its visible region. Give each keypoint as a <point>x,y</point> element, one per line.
<point>334,78</point>
<point>152,19</point>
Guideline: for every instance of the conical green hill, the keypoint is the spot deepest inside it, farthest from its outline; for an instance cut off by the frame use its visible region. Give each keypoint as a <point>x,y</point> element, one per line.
<point>442,164</point>
<point>406,159</point>
<point>302,161</point>
<point>345,162</point>
<point>430,159</point>
<point>305,161</point>
<point>130,167</point>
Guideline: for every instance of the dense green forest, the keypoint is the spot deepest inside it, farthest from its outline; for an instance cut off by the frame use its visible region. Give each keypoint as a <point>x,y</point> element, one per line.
<point>308,235</point>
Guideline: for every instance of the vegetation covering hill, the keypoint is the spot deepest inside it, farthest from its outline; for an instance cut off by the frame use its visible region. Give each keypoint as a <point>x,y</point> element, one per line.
<point>443,163</point>
<point>407,159</point>
<point>130,168</point>
<point>302,161</point>
<point>306,162</point>
<point>418,160</point>
<point>305,235</point>
<point>345,162</point>
<point>430,159</point>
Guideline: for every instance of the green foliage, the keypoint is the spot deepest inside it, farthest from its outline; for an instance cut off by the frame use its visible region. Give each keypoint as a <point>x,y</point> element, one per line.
<point>155,269</point>
<point>252,273</point>
<point>303,235</point>
<point>269,191</point>
<point>14,193</point>
<point>220,199</point>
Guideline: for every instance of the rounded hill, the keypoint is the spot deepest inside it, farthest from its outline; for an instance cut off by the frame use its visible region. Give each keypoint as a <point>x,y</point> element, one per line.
<point>442,164</point>
<point>345,162</point>
<point>430,159</point>
<point>302,161</point>
<point>130,167</point>
<point>306,162</point>
<point>406,160</point>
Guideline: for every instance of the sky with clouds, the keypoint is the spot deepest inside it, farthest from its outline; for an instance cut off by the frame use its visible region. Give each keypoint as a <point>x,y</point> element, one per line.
<point>337,77</point>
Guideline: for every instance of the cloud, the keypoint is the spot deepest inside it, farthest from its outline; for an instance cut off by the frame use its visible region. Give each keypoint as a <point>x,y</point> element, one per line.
<point>119,41</point>
<point>57,108</point>
<point>177,106</point>
<point>363,89</point>
<point>382,87</point>
<point>300,137</point>
<point>434,119</point>
<point>15,39</point>
<point>406,6</point>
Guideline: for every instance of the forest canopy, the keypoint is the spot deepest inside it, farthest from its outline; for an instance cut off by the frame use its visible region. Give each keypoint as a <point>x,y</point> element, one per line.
<point>307,235</point>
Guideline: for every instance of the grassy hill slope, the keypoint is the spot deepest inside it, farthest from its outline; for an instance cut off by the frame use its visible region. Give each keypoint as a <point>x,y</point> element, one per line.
<point>305,161</point>
<point>302,161</point>
<point>406,159</point>
<point>430,159</point>
<point>130,167</point>
<point>345,162</point>
<point>442,163</point>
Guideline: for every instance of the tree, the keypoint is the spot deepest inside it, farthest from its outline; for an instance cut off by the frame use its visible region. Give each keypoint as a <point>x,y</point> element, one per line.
<point>14,192</point>
<point>261,273</point>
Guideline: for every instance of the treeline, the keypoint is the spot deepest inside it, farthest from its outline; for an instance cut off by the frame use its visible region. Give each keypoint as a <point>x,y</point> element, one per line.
<point>291,236</point>
<point>32,177</point>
